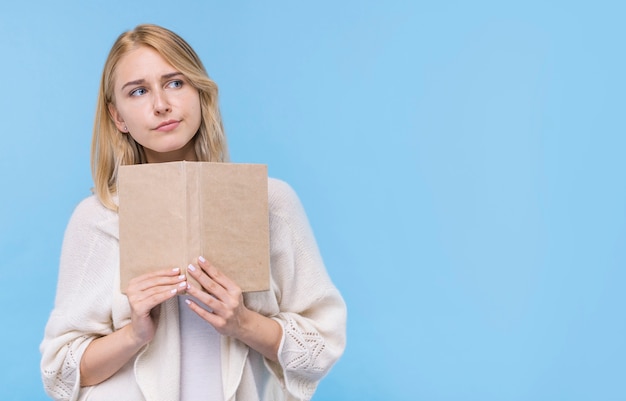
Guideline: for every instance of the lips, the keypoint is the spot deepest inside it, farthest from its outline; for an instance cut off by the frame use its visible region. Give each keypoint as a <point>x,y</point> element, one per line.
<point>167,125</point>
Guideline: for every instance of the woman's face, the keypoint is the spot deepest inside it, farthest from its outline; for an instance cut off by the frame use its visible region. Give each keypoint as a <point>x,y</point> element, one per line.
<point>156,105</point>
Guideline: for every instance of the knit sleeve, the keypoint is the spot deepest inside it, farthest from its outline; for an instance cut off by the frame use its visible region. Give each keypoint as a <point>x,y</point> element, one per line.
<point>312,311</point>
<point>82,310</point>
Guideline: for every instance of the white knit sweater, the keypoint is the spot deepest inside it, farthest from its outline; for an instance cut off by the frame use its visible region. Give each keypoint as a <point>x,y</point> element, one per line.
<point>88,304</point>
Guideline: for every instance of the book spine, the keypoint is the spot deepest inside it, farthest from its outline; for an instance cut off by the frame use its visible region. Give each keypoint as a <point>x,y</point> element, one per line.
<point>193,225</point>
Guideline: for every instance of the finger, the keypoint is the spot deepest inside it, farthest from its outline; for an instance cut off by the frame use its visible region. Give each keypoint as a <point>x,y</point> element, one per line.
<point>161,294</point>
<point>159,278</point>
<point>164,273</point>
<point>151,289</point>
<point>143,303</point>
<point>209,285</point>
<point>219,277</point>
<point>157,292</point>
<point>215,305</point>
<point>211,317</point>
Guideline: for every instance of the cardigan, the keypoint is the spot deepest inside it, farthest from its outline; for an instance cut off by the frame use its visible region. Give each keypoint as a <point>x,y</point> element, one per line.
<point>89,304</point>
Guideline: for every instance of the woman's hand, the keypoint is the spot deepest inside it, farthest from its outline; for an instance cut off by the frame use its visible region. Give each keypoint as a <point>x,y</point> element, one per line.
<point>221,295</point>
<point>104,356</point>
<point>228,313</point>
<point>145,293</point>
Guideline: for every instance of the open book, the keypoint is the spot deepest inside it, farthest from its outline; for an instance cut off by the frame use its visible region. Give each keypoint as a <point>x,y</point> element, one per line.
<point>171,213</point>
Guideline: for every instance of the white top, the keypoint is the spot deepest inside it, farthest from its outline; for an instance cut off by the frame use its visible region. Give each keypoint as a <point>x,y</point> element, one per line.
<point>200,363</point>
<point>89,304</point>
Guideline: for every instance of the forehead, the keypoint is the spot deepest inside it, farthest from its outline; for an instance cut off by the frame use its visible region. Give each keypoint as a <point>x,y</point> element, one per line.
<point>141,63</point>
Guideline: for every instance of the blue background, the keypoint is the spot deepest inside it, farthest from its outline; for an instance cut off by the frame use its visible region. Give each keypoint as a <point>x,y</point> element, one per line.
<point>461,164</point>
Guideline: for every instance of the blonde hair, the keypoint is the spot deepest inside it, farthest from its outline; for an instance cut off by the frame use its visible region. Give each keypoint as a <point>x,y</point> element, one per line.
<point>111,148</point>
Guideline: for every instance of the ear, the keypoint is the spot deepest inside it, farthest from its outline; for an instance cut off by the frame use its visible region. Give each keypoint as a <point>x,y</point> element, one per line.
<point>117,118</point>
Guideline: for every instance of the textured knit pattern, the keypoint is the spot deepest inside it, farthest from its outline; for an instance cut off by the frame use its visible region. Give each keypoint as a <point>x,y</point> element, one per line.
<point>302,299</point>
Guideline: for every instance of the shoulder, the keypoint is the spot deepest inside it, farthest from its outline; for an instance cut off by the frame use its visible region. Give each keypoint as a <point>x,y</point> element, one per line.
<point>279,188</point>
<point>91,209</point>
<point>286,210</point>
<point>90,205</point>
<point>91,214</point>
<point>282,197</point>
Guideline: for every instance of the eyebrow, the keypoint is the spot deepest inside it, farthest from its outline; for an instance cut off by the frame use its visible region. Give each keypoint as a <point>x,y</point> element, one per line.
<point>141,81</point>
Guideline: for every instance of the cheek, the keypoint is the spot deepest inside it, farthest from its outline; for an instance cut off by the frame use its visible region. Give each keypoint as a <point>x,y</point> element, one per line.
<point>197,114</point>
<point>133,115</point>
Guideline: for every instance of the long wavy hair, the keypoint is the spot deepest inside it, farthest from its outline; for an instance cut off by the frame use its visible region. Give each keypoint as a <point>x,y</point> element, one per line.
<point>111,148</point>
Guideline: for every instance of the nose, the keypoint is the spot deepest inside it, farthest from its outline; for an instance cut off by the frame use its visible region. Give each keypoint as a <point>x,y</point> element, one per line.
<point>161,103</point>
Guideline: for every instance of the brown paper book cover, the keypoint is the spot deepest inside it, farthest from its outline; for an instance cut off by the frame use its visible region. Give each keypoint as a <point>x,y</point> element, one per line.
<point>171,213</point>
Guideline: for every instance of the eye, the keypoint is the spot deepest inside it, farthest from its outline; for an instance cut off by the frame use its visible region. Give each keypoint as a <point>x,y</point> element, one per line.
<point>138,92</point>
<point>175,84</point>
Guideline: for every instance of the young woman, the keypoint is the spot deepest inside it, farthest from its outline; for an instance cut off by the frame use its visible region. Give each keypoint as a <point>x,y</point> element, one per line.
<point>168,339</point>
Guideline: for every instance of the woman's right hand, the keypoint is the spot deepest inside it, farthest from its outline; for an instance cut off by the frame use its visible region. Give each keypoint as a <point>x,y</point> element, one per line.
<point>104,356</point>
<point>145,295</point>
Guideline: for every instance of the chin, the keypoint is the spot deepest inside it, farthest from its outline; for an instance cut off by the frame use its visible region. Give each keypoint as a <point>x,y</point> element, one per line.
<point>173,152</point>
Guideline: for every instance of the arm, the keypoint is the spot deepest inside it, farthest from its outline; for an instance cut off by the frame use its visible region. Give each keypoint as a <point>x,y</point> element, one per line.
<point>83,304</point>
<point>83,312</point>
<point>229,315</point>
<point>106,355</point>
<point>312,312</point>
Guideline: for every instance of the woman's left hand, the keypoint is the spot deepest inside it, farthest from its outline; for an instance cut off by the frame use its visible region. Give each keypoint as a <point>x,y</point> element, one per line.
<point>228,314</point>
<point>221,295</point>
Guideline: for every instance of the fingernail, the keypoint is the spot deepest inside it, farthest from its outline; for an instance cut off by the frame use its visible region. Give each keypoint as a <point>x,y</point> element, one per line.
<point>182,285</point>
<point>173,291</point>
<point>191,267</point>
<point>201,259</point>
<point>181,277</point>
<point>176,269</point>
